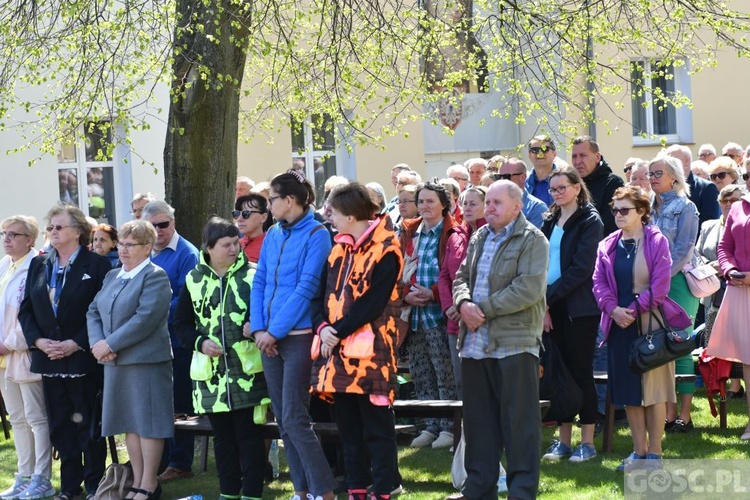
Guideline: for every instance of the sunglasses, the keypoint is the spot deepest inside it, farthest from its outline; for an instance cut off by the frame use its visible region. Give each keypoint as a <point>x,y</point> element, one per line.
<point>162,225</point>
<point>628,168</point>
<point>745,176</point>
<point>729,201</point>
<point>505,177</point>
<point>58,228</point>
<point>535,150</point>
<point>655,173</point>
<point>720,175</point>
<point>244,213</point>
<point>622,211</point>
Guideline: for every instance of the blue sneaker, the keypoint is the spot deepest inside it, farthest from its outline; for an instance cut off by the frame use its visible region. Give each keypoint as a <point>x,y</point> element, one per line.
<point>582,453</point>
<point>557,451</point>
<point>39,487</point>
<point>20,484</point>
<point>627,461</point>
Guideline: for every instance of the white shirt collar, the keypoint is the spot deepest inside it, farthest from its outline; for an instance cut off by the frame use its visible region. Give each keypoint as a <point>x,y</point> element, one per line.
<point>127,275</point>
<point>172,245</point>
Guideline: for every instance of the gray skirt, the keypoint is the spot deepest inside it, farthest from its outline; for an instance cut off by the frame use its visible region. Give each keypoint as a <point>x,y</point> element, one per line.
<point>138,399</point>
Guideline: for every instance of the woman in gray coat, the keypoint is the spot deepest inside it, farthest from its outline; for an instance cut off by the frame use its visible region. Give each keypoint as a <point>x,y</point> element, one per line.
<point>127,324</point>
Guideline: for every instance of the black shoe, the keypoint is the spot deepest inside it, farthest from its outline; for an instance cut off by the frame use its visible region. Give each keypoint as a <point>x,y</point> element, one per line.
<point>669,426</point>
<point>681,426</point>
<point>736,394</point>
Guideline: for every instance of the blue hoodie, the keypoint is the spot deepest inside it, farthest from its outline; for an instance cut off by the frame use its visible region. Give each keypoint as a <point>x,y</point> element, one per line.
<point>289,271</point>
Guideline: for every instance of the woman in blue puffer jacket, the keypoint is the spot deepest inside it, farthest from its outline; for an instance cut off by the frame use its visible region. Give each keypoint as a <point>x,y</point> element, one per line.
<point>289,272</point>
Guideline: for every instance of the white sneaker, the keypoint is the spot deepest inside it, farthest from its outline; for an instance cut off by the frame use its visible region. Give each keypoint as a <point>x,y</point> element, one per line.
<point>425,438</point>
<point>444,440</point>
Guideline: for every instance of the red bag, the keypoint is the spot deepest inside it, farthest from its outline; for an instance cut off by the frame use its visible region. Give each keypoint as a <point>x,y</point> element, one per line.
<point>715,373</point>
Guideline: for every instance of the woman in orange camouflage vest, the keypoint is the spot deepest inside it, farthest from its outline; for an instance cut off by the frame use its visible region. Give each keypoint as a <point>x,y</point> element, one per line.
<point>356,317</point>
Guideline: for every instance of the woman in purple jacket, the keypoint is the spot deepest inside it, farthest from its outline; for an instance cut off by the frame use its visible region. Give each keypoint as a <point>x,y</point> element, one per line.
<point>631,275</point>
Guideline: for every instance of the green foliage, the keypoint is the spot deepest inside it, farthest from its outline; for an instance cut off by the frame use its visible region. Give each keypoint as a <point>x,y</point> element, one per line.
<point>373,65</point>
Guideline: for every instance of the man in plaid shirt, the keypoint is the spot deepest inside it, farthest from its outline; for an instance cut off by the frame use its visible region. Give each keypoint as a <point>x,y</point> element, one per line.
<point>500,292</point>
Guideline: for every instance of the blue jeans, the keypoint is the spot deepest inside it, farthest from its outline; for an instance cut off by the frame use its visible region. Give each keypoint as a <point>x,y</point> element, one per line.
<point>288,379</point>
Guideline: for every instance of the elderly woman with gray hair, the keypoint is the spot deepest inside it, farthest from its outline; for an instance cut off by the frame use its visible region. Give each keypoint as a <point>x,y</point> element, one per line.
<point>677,218</point>
<point>127,324</point>
<point>59,288</point>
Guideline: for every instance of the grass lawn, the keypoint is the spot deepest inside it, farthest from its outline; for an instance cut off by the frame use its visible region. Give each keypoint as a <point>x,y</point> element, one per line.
<point>426,472</point>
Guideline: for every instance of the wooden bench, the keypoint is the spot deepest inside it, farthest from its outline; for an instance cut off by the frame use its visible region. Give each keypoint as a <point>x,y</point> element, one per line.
<point>201,426</point>
<point>439,408</point>
<point>608,430</point>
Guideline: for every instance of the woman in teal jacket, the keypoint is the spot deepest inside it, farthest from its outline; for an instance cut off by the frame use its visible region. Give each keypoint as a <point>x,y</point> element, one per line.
<point>289,272</point>
<point>228,381</point>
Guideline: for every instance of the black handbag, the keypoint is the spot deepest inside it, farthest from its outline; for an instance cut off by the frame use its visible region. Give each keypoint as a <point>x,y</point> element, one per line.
<point>657,347</point>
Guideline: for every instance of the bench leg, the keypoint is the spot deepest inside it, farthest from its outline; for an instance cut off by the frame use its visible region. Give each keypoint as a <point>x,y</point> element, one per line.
<point>203,463</point>
<point>608,429</point>
<point>722,412</point>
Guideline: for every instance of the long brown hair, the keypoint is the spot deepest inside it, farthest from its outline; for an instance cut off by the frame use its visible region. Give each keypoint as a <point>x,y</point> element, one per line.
<point>575,178</point>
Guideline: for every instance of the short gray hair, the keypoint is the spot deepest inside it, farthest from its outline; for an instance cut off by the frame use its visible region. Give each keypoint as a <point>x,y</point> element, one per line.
<point>158,207</point>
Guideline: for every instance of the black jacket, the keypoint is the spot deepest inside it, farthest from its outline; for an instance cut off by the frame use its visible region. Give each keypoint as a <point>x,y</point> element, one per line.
<point>602,184</point>
<point>582,233</point>
<point>82,283</point>
<point>705,196</point>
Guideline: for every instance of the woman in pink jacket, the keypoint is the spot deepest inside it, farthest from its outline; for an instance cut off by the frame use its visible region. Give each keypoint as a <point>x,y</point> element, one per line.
<point>472,202</point>
<point>632,274</point>
<point>729,339</point>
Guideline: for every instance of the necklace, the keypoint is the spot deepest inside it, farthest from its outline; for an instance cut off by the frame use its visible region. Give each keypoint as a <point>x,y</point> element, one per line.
<point>630,247</point>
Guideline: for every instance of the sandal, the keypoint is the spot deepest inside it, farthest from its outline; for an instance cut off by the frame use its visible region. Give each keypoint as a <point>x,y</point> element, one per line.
<point>134,490</point>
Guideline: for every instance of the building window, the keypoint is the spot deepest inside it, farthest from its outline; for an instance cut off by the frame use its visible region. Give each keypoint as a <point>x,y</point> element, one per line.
<point>314,150</point>
<point>85,171</point>
<point>654,119</point>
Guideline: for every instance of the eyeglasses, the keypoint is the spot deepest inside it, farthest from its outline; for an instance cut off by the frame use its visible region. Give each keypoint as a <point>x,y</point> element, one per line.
<point>162,225</point>
<point>136,211</point>
<point>404,202</point>
<point>731,155</point>
<point>627,168</point>
<point>245,213</point>
<point>655,173</point>
<point>560,189</point>
<point>622,211</point>
<point>745,176</point>
<point>535,150</point>
<point>704,154</point>
<point>718,175</point>
<point>10,235</point>
<point>506,177</point>
<point>454,178</point>
<point>58,228</point>
<point>129,246</point>
<point>271,199</point>
<point>729,201</point>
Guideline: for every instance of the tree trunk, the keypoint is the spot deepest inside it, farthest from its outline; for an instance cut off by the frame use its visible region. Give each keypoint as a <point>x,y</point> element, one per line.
<point>200,153</point>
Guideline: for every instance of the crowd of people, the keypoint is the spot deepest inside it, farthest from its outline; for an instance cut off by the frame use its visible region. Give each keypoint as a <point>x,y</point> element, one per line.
<point>111,331</point>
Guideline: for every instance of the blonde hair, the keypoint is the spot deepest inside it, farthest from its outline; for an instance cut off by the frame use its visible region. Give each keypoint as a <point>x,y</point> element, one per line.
<point>31,226</point>
<point>140,230</point>
<point>673,167</point>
